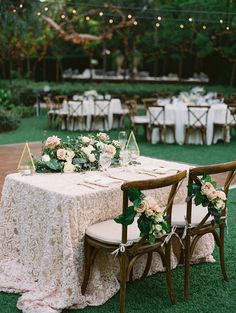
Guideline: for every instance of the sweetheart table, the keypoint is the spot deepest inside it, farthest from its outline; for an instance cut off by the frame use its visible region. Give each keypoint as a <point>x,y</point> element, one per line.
<point>43,219</point>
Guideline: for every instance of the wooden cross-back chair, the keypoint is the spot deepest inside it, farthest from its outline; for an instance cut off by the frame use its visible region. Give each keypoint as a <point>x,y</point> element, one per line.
<point>109,236</point>
<point>55,113</point>
<point>149,102</point>
<point>157,119</point>
<point>76,114</point>
<point>137,120</point>
<point>197,120</point>
<point>196,221</point>
<point>100,114</point>
<point>228,124</point>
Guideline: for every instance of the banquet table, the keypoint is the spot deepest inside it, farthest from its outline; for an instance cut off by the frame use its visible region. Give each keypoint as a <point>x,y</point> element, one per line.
<point>115,107</point>
<point>43,219</point>
<point>176,113</point>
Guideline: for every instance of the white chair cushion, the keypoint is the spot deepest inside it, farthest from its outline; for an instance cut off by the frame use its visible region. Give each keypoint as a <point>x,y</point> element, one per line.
<point>198,212</point>
<point>138,119</point>
<point>110,232</point>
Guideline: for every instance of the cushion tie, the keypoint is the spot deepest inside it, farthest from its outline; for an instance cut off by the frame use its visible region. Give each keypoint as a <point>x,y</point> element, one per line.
<point>170,234</point>
<point>122,247</point>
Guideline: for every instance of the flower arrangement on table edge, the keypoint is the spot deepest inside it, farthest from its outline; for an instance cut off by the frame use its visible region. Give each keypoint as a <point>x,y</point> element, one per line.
<point>152,222</point>
<point>208,195</point>
<point>76,154</point>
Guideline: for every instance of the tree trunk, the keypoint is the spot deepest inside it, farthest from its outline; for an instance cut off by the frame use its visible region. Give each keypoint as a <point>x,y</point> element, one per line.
<point>233,74</point>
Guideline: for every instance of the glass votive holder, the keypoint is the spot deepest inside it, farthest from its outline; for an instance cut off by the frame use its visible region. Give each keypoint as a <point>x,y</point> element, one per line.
<point>26,170</point>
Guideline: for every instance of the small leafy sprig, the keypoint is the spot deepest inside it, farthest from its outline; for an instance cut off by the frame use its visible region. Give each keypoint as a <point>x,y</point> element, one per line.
<point>208,195</point>
<point>151,220</point>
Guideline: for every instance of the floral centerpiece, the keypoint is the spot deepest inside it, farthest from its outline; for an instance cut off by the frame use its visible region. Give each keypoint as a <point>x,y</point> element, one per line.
<point>208,195</point>
<point>76,154</point>
<point>151,220</point>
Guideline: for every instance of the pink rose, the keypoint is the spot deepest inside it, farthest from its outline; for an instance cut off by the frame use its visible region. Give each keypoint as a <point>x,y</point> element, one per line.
<point>52,142</point>
<point>153,204</point>
<point>221,195</point>
<point>103,136</point>
<point>85,139</point>
<point>144,205</point>
<point>213,195</point>
<point>110,149</point>
<point>61,154</point>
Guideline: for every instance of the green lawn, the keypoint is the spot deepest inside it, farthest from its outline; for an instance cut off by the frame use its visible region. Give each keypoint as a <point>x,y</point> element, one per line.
<point>208,291</point>
<point>35,129</point>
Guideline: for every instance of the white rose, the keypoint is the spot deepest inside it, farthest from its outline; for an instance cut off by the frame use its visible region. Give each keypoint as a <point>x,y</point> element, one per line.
<point>69,167</point>
<point>85,139</point>
<point>116,143</point>
<point>70,154</point>
<point>88,150</point>
<point>149,212</point>
<point>158,217</point>
<point>91,158</point>
<point>213,195</point>
<point>52,142</point>
<point>219,204</point>
<point>46,158</point>
<point>61,154</point>
<point>221,195</point>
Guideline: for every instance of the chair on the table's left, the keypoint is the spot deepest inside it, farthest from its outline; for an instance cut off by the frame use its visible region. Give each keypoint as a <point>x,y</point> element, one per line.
<point>109,236</point>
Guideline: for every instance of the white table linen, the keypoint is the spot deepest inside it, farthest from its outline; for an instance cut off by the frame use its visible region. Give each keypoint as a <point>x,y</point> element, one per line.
<point>43,219</point>
<point>115,107</point>
<point>177,113</point>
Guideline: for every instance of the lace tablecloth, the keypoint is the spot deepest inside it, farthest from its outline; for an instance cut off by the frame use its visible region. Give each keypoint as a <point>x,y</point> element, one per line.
<point>43,219</point>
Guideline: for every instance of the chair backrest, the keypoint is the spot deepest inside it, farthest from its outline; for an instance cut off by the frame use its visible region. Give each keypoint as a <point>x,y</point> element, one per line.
<point>49,103</point>
<point>101,107</point>
<point>231,115</point>
<point>157,115</point>
<point>172,181</point>
<point>149,102</point>
<point>198,115</point>
<point>132,106</point>
<point>75,108</point>
<point>228,168</point>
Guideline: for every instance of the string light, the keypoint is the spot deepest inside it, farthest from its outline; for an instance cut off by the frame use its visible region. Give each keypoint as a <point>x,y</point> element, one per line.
<point>21,5</point>
<point>46,9</point>
<point>227,27</point>
<point>14,10</point>
<point>158,24</point>
<point>63,16</point>
<point>38,13</point>
<point>181,26</point>
<point>135,23</point>
<point>101,13</point>
<point>221,21</point>
<point>190,19</point>
<point>87,18</point>
<point>129,16</point>
<point>204,27</point>
<point>159,18</point>
<point>74,11</point>
<point>111,21</point>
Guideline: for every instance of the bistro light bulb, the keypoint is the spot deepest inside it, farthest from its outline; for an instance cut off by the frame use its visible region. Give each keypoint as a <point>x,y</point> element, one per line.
<point>190,19</point>
<point>158,24</point>
<point>101,13</point>
<point>221,21</point>
<point>111,21</point>
<point>181,26</point>
<point>129,16</point>
<point>204,27</point>
<point>159,18</point>
<point>87,18</point>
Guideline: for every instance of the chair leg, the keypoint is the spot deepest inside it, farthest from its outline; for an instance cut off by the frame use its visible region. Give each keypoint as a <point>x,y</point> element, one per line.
<point>90,254</point>
<point>148,264</point>
<point>222,255</point>
<point>123,281</point>
<point>169,273</point>
<point>186,136</point>
<point>187,268</point>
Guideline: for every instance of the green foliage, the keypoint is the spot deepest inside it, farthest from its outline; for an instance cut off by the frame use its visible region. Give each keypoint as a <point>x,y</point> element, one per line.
<point>8,121</point>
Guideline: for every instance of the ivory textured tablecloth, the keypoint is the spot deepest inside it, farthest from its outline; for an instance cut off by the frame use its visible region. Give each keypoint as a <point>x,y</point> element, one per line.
<point>43,219</point>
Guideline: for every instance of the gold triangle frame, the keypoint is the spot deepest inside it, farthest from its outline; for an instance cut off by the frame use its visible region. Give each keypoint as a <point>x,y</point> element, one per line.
<point>132,142</point>
<point>26,150</point>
